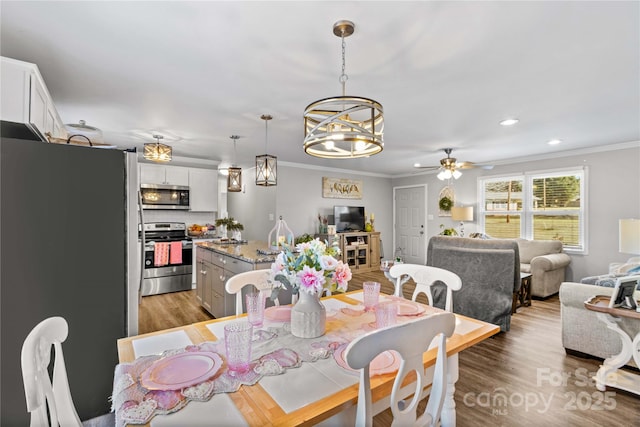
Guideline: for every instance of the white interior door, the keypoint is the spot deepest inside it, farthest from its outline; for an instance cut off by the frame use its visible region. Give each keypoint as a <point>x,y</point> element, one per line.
<point>409,223</point>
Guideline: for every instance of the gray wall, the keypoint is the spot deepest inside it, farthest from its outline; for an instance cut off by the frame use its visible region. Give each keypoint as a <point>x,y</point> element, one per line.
<point>298,198</point>
<point>613,182</point>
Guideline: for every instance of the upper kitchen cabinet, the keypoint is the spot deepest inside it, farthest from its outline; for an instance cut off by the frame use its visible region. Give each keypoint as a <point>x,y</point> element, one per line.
<point>203,189</point>
<point>27,110</point>
<point>163,174</point>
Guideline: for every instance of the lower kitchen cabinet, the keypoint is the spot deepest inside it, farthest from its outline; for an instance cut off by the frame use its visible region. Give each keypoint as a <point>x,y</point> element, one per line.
<point>214,269</point>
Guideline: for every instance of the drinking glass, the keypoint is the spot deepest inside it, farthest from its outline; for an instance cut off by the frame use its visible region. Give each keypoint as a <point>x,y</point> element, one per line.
<point>255,308</point>
<point>371,295</point>
<point>386,313</point>
<point>237,341</point>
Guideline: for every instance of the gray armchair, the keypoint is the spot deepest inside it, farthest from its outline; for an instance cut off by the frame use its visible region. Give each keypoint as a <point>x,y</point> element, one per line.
<point>490,273</point>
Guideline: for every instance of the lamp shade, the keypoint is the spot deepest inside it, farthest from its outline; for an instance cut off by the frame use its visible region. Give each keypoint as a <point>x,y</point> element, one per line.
<point>629,236</point>
<point>462,213</point>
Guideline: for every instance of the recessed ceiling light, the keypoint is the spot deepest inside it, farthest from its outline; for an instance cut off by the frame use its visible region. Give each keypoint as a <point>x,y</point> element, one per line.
<point>509,122</point>
<point>416,165</point>
<point>554,142</point>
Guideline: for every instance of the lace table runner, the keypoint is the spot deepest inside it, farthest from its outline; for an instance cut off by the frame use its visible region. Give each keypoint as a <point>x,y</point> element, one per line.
<point>274,350</point>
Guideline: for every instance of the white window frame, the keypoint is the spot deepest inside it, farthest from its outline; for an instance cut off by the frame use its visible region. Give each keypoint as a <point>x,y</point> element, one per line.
<point>527,212</point>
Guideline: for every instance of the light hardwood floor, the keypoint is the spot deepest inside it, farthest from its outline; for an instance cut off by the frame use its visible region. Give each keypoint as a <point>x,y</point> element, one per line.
<point>519,378</point>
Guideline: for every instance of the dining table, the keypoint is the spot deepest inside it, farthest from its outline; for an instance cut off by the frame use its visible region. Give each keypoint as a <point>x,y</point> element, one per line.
<point>293,381</point>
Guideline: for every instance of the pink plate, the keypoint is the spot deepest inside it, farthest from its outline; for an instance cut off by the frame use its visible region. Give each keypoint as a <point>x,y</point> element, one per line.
<point>278,313</point>
<point>409,308</point>
<point>181,370</point>
<point>384,363</point>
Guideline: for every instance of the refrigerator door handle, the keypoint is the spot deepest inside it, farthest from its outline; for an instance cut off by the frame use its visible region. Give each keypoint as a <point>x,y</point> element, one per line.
<point>142,236</point>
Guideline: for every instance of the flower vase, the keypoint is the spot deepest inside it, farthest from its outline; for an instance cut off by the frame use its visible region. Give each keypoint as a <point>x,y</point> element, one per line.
<point>308,316</point>
<point>223,231</point>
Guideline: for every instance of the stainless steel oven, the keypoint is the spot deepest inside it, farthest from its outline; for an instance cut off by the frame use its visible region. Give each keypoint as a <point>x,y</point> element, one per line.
<point>167,260</point>
<point>156,196</point>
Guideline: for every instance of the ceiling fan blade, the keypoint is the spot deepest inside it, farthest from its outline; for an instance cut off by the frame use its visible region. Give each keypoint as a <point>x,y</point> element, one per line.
<point>427,167</point>
<point>471,165</point>
<point>465,165</point>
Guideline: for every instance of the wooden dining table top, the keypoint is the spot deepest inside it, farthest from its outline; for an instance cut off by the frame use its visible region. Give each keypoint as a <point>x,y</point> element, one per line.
<point>259,408</point>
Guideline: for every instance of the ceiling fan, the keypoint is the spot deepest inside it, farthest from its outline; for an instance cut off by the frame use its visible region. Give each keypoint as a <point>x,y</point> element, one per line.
<point>449,166</point>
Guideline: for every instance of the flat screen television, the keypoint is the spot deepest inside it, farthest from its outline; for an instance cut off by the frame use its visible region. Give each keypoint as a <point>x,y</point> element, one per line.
<point>349,218</point>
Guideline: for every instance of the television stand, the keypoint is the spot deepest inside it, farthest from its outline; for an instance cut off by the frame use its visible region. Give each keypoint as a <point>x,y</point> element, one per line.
<point>359,249</point>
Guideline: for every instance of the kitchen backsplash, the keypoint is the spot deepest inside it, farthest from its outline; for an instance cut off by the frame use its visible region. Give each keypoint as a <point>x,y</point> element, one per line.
<point>188,218</point>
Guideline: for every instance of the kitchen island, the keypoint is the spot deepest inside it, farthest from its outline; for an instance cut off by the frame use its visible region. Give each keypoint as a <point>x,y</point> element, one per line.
<point>217,262</point>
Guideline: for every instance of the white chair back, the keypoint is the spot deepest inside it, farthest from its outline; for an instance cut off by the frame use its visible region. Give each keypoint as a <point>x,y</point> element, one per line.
<point>257,278</point>
<point>425,276</point>
<point>40,392</point>
<point>411,340</point>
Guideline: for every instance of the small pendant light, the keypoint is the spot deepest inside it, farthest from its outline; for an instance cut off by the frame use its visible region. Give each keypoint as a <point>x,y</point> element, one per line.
<point>234,179</point>
<point>266,164</point>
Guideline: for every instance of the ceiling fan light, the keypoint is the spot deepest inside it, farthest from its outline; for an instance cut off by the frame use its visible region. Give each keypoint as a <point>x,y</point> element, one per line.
<point>456,174</point>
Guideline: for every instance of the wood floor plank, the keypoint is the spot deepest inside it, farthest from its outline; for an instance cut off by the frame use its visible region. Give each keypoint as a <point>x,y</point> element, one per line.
<point>519,378</point>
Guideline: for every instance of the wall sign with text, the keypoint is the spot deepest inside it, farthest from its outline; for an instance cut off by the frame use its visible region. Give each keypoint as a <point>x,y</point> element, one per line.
<point>341,188</point>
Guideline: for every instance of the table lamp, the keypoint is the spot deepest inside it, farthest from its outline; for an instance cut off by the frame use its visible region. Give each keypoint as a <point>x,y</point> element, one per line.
<point>462,213</point>
<point>629,236</point>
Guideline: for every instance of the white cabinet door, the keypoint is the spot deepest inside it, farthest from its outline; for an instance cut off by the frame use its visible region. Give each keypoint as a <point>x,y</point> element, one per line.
<point>152,174</point>
<point>38,107</point>
<point>203,190</point>
<point>25,99</point>
<point>161,174</point>
<point>176,175</point>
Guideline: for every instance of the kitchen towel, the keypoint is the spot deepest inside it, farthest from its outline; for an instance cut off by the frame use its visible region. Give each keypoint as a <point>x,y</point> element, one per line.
<point>175,253</point>
<point>161,254</point>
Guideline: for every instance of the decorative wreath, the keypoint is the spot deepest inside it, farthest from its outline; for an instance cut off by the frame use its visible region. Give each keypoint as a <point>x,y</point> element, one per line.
<point>445,204</point>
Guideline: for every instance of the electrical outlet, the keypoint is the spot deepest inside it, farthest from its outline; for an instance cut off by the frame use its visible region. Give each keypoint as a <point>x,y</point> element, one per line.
<point>271,217</point>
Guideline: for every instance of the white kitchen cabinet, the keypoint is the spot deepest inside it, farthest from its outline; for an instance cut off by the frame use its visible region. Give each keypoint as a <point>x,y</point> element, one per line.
<point>26,100</point>
<point>203,190</point>
<point>163,174</point>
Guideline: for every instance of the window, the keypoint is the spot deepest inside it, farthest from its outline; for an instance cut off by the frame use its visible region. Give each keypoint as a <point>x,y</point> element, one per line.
<point>539,206</point>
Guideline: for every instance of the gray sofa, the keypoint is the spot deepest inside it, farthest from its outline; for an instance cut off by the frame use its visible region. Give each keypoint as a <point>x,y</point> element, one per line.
<point>582,331</point>
<point>546,262</point>
<point>490,274</point>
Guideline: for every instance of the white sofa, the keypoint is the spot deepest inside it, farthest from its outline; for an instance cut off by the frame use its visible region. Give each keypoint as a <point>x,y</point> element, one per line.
<point>582,331</point>
<point>546,262</point>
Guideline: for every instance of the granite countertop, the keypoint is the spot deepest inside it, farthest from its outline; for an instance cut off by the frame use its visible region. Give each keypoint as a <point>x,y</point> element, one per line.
<point>247,252</point>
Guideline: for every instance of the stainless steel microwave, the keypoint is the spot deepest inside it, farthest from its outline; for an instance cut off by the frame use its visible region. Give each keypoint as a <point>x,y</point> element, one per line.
<point>156,196</point>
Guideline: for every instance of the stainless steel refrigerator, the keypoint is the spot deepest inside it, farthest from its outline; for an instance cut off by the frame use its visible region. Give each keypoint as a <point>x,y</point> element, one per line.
<point>69,247</point>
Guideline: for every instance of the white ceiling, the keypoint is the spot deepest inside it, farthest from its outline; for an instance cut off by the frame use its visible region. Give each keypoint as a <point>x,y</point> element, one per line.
<point>445,72</point>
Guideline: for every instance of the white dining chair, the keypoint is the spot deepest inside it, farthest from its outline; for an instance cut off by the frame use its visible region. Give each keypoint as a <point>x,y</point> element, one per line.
<point>257,278</point>
<point>39,390</point>
<point>411,340</point>
<point>425,277</point>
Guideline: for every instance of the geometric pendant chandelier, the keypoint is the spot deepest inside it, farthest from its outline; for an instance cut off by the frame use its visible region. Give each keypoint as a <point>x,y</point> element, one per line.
<point>234,179</point>
<point>266,164</point>
<point>343,127</point>
<point>157,152</point>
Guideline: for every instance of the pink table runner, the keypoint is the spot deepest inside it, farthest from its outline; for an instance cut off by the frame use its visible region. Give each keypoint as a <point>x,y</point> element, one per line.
<point>274,350</point>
